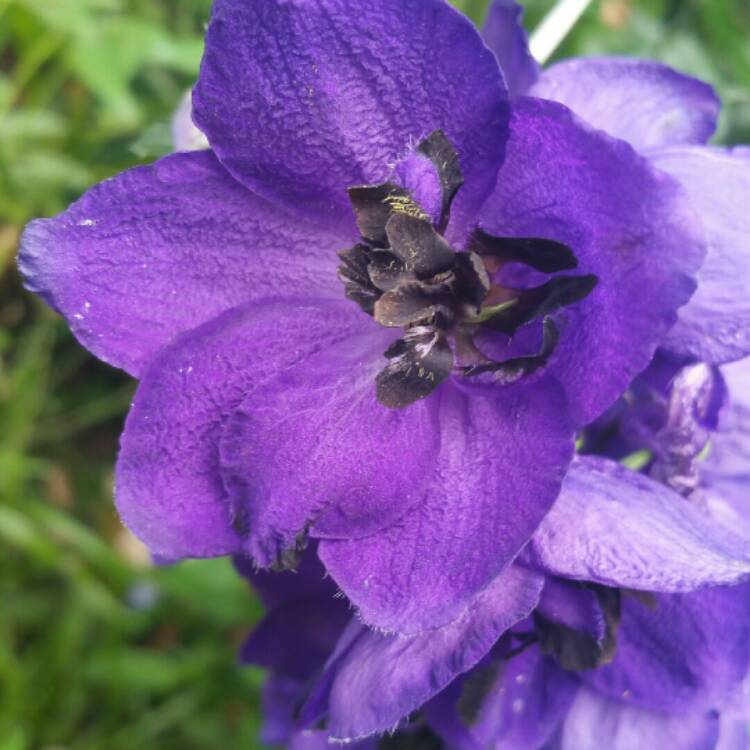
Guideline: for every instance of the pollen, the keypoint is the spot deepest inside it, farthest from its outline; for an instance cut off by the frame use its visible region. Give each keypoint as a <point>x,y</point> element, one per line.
<point>403,204</point>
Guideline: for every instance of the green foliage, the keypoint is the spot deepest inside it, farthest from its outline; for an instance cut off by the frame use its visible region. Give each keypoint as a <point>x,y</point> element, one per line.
<point>97,650</point>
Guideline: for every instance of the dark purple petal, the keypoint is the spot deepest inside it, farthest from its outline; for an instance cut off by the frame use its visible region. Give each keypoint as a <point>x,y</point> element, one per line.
<point>595,722</point>
<point>683,652</point>
<point>620,528</point>
<point>280,698</point>
<point>516,705</point>
<point>169,490</point>
<point>160,249</point>
<point>295,639</point>
<point>715,325</point>
<point>570,604</point>
<point>302,100</point>
<point>504,34</point>
<point>277,588</point>
<point>641,101</point>
<point>383,678</point>
<point>503,453</point>
<point>311,447</point>
<point>626,223</point>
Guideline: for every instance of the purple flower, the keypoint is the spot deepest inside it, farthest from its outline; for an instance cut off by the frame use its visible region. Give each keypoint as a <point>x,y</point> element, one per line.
<point>373,316</point>
<point>508,271</point>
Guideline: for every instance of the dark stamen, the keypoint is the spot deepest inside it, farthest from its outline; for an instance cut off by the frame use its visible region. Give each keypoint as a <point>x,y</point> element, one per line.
<point>418,246</point>
<point>576,650</point>
<point>406,275</point>
<point>540,301</point>
<point>386,271</point>
<point>413,301</point>
<point>372,209</point>
<point>511,370</point>
<point>420,361</point>
<point>547,256</point>
<point>439,150</point>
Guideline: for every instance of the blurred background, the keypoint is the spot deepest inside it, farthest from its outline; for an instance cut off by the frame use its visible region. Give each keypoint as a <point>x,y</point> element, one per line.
<point>99,650</point>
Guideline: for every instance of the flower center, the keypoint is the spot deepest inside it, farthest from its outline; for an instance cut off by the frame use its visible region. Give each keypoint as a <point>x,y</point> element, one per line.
<point>404,273</point>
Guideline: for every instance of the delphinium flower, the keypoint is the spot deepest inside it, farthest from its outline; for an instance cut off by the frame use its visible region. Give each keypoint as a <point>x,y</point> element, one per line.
<point>599,664</point>
<point>373,317</point>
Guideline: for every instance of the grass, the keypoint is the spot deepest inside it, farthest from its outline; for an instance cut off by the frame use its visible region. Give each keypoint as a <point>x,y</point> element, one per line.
<point>99,650</point>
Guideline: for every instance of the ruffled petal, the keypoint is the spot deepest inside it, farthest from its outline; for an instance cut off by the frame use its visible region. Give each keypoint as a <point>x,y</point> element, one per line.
<point>504,34</point>
<point>383,678</point>
<point>503,453</point>
<point>680,652</point>
<point>513,705</point>
<point>620,528</point>
<point>715,325</point>
<point>161,249</point>
<point>302,100</point>
<point>595,722</point>
<point>627,224</point>
<point>641,101</point>
<point>341,464</point>
<point>168,489</point>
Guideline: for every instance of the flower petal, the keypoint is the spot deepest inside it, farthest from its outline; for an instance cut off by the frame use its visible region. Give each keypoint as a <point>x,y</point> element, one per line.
<point>641,101</point>
<point>169,489</point>
<point>626,223</point>
<point>503,453</point>
<point>276,588</point>
<point>302,100</point>
<point>279,699</point>
<point>383,678</point>
<point>573,605</point>
<point>160,249</point>
<point>681,653</point>
<point>295,639</point>
<point>733,735</point>
<point>312,447</point>
<point>620,528</point>
<point>595,722</point>
<point>524,702</point>
<point>725,472</point>
<point>672,411</point>
<point>715,325</point>
<point>504,34</point>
